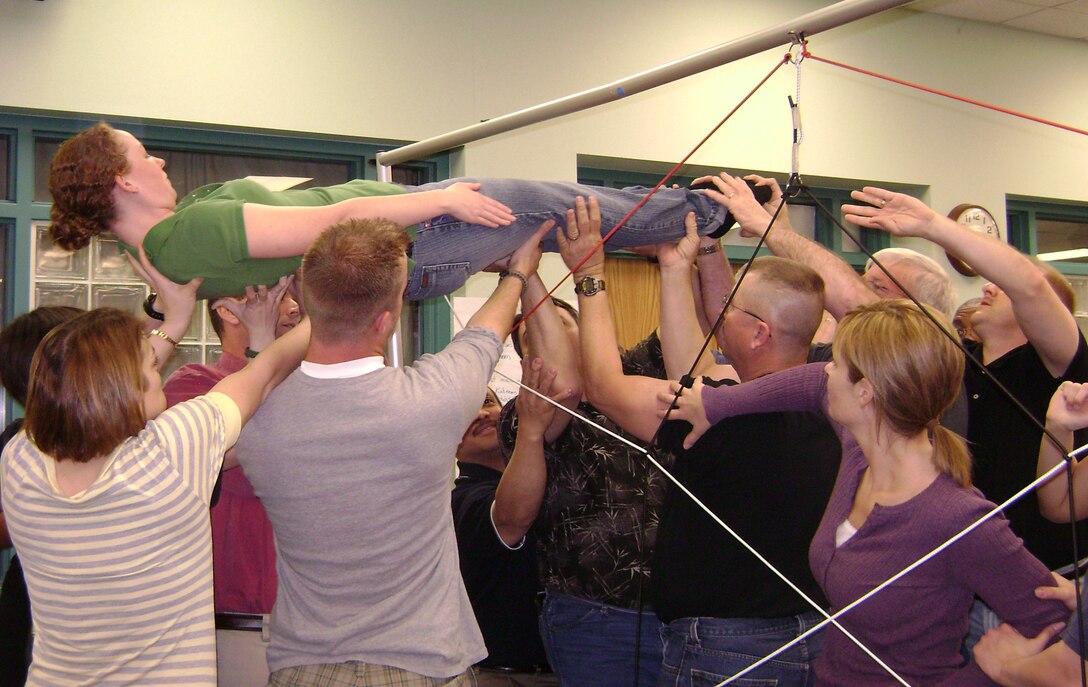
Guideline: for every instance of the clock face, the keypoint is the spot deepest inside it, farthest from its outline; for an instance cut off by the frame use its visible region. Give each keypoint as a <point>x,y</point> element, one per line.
<point>975,218</point>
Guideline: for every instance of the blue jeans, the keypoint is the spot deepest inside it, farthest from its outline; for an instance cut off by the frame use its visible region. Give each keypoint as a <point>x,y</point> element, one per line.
<point>591,644</point>
<point>701,652</point>
<point>448,250</point>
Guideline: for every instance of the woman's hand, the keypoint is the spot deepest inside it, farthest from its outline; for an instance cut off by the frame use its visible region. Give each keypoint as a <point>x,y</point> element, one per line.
<point>688,407</point>
<point>1068,407</point>
<point>464,201</point>
<point>178,301</point>
<point>581,243</point>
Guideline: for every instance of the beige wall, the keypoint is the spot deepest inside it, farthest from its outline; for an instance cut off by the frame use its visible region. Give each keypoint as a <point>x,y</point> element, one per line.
<point>413,69</point>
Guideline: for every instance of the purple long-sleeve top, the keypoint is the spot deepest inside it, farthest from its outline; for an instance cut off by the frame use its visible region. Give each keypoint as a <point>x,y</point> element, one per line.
<point>915,625</point>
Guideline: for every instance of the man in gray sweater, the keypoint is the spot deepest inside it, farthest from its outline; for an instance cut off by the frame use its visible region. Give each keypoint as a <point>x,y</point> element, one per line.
<point>351,459</point>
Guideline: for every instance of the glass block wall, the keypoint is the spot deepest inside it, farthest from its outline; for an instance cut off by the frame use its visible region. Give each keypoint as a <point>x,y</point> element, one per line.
<point>100,275</point>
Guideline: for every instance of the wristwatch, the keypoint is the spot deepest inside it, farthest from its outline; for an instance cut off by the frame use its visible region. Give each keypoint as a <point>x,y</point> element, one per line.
<point>588,286</point>
<point>149,308</point>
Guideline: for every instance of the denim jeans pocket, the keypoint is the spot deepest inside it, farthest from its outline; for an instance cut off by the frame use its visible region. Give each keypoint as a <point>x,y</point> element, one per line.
<point>702,678</point>
<point>558,614</point>
<point>441,279</point>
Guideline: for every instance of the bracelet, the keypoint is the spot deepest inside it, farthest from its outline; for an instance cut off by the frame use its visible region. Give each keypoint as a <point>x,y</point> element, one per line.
<point>163,335</point>
<point>516,274</point>
<point>711,249</point>
<point>149,308</point>
<point>250,353</point>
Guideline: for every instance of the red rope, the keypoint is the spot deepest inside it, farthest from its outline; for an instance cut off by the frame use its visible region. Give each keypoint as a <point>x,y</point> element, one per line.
<point>945,94</point>
<point>654,190</point>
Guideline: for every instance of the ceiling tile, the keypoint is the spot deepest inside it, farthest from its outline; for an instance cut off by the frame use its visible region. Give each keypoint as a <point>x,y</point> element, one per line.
<point>994,11</point>
<point>1054,22</point>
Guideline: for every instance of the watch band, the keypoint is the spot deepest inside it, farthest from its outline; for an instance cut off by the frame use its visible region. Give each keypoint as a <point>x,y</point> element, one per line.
<point>149,308</point>
<point>711,249</point>
<point>516,275</point>
<point>250,353</point>
<point>163,335</point>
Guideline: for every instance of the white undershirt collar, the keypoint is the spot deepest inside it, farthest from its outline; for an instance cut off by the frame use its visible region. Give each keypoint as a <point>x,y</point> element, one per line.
<point>344,370</point>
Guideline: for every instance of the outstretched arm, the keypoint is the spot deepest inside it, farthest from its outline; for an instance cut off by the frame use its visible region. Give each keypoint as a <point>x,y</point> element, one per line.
<point>680,332</point>
<point>1067,413</point>
<point>284,232</point>
<point>497,313</point>
<point>1045,321</point>
<point>521,489</point>
<point>628,400</point>
<point>843,288</point>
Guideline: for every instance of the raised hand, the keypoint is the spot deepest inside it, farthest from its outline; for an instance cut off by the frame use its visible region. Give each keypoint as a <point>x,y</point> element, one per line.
<point>534,413</point>
<point>1069,407</point>
<point>527,257</point>
<point>582,240</point>
<point>259,311</point>
<point>895,213</point>
<point>464,201</point>
<point>736,196</point>
<point>176,300</point>
<point>683,252</point>
<point>688,407</point>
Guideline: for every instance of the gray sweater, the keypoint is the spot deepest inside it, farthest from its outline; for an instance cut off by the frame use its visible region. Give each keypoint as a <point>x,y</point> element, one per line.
<point>355,476</point>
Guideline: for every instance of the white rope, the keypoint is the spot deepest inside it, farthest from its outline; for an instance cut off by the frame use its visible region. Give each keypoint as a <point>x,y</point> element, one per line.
<point>710,513</point>
<point>955,538</point>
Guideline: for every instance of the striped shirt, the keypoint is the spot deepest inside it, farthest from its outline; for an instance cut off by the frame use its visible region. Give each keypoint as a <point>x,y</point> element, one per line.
<point>120,574</point>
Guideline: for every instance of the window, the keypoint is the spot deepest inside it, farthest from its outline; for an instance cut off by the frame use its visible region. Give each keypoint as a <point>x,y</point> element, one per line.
<point>1058,233</point>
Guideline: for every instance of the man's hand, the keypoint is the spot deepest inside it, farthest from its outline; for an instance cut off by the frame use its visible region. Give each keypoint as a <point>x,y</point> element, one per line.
<point>1063,590</point>
<point>581,242</point>
<point>736,196</point>
<point>896,213</point>
<point>259,311</point>
<point>1003,645</point>
<point>681,254</point>
<point>464,201</point>
<point>534,413</point>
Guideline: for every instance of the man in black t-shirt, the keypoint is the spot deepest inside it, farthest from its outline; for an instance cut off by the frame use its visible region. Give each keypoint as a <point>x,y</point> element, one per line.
<point>768,476</point>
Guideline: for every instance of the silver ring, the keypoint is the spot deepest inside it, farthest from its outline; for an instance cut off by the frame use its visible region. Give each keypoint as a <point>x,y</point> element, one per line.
<point>731,195</point>
<point>883,202</point>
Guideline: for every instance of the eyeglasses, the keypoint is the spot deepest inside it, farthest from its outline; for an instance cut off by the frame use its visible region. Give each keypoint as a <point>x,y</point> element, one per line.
<point>730,304</point>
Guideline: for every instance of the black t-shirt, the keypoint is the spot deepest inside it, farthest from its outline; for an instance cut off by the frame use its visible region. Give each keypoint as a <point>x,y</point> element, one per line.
<point>769,477</point>
<point>1005,444</point>
<point>502,584</point>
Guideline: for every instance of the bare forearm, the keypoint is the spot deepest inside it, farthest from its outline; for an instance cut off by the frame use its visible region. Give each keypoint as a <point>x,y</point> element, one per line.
<point>497,313</point>
<point>252,384</point>
<point>547,337</point>
<point>716,281</point>
<point>681,337</point>
<point>843,288</point>
<point>1054,494</point>
<point>521,489</point>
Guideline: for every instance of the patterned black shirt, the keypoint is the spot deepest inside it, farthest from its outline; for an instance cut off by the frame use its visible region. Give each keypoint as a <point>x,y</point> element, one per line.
<point>593,541</point>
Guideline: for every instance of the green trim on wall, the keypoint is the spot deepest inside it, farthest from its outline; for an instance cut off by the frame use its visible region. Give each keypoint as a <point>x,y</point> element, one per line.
<point>1022,216</point>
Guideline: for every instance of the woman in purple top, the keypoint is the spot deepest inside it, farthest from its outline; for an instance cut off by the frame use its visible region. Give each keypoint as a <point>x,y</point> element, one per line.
<point>903,489</point>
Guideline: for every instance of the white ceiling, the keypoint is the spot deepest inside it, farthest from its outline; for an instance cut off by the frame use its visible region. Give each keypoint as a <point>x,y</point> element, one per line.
<point>1066,18</point>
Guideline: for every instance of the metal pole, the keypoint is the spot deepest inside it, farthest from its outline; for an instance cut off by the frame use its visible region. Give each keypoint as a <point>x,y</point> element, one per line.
<point>393,348</point>
<point>814,22</point>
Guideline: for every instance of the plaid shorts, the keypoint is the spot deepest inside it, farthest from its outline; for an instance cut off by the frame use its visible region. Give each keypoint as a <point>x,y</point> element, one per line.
<point>360,674</point>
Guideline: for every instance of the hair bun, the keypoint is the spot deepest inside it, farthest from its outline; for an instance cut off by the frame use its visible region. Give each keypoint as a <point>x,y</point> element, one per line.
<point>72,231</point>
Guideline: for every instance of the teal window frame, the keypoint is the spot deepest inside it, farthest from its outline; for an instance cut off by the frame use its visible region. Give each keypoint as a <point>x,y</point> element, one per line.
<point>1022,216</point>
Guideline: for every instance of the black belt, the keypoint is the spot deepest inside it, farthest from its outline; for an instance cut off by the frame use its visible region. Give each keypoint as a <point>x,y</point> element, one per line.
<point>533,669</point>
<point>248,622</point>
